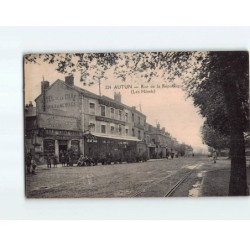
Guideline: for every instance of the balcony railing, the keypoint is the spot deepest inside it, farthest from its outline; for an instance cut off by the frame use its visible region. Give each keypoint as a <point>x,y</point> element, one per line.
<point>110,120</point>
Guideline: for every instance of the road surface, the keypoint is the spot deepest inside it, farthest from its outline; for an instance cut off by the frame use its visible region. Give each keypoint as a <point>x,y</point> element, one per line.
<point>148,179</point>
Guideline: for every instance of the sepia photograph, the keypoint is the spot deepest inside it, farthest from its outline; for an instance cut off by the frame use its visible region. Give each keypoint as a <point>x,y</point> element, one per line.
<point>136,124</point>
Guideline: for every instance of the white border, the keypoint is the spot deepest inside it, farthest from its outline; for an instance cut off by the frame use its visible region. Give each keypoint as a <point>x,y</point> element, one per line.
<point>15,42</point>
<point>126,12</point>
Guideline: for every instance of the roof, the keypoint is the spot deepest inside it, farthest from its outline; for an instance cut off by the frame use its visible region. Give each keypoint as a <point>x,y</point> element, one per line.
<point>91,94</point>
<point>86,92</point>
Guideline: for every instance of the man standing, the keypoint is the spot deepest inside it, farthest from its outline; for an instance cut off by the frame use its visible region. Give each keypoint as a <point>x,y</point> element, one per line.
<point>215,156</point>
<point>55,161</point>
<point>48,161</point>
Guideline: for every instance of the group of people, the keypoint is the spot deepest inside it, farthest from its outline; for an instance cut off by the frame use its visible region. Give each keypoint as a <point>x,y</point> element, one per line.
<point>51,159</point>
<point>65,158</point>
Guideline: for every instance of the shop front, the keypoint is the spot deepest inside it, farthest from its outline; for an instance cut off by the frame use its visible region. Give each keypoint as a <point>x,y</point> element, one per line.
<point>61,142</point>
<point>106,149</point>
<point>152,150</point>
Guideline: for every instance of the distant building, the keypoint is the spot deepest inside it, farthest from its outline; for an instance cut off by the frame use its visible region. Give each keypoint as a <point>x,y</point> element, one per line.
<point>158,141</point>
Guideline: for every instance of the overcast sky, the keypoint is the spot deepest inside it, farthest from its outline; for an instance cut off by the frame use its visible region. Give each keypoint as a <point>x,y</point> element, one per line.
<point>168,106</point>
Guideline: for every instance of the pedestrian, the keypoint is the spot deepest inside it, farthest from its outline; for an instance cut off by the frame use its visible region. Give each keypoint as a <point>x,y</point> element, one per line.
<point>33,166</point>
<point>214,156</point>
<point>48,161</point>
<point>55,161</point>
<point>68,162</point>
<point>172,155</point>
<point>63,160</point>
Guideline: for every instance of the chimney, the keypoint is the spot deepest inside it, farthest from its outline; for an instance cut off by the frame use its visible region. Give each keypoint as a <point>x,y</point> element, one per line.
<point>158,125</point>
<point>118,97</point>
<point>163,129</point>
<point>69,80</point>
<point>44,86</point>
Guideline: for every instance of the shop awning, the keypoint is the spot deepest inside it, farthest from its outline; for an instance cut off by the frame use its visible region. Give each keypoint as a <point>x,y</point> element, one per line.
<point>116,137</point>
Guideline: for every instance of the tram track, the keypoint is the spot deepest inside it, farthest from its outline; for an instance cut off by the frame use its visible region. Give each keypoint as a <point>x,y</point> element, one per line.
<point>182,180</point>
<point>151,185</point>
<point>173,188</point>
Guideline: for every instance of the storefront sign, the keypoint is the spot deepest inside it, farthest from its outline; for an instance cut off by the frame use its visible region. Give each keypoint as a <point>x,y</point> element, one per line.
<point>57,122</point>
<point>92,140</point>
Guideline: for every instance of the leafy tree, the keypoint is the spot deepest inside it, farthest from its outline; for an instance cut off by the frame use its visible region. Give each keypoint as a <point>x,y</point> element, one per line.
<point>231,71</point>
<point>223,99</point>
<point>183,148</point>
<point>214,138</point>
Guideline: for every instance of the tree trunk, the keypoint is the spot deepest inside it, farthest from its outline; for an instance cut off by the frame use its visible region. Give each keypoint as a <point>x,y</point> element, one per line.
<point>238,177</point>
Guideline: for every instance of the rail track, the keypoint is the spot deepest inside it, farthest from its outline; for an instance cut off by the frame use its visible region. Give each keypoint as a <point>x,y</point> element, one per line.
<point>151,185</point>
<point>173,188</point>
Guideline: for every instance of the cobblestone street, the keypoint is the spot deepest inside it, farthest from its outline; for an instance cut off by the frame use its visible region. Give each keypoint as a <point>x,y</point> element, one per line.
<point>149,179</point>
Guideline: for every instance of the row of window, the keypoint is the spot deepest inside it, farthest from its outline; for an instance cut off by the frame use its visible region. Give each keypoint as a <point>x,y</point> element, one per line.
<point>103,111</point>
<point>92,128</point>
<point>104,130</point>
<point>112,113</point>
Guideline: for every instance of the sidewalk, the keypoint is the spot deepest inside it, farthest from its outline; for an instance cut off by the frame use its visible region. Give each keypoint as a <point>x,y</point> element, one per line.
<point>216,183</point>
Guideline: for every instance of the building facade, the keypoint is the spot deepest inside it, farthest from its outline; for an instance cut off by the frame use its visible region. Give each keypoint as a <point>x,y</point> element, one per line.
<point>159,141</point>
<point>70,118</point>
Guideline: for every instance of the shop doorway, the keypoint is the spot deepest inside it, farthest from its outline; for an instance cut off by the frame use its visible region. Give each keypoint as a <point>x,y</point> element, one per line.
<point>152,153</point>
<point>62,146</point>
<point>49,147</point>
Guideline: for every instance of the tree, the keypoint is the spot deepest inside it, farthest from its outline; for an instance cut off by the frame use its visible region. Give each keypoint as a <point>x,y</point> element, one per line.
<point>233,68</point>
<point>183,148</point>
<point>214,138</point>
<point>222,98</point>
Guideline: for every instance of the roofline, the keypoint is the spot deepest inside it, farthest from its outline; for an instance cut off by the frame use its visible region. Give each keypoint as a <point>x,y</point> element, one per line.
<point>91,94</point>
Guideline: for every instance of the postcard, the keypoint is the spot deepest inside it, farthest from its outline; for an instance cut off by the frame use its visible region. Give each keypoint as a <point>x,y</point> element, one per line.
<point>136,124</point>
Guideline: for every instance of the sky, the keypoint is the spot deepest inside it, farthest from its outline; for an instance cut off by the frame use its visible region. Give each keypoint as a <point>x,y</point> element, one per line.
<point>167,106</point>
